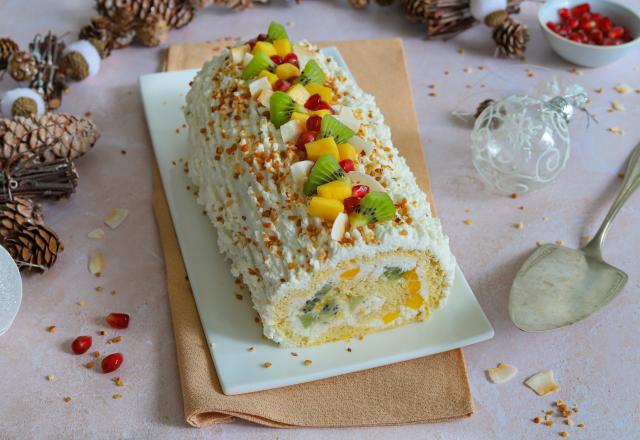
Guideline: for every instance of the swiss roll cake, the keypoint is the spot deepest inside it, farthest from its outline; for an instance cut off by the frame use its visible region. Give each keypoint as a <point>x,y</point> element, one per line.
<point>315,209</point>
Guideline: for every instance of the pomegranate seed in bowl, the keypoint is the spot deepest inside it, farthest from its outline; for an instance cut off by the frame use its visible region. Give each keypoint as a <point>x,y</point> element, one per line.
<point>118,320</point>
<point>81,344</point>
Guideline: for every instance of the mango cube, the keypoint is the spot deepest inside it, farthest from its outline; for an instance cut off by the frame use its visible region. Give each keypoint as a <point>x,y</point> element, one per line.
<point>283,47</point>
<point>298,93</point>
<point>326,94</point>
<point>300,117</point>
<point>266,47</point>
<point>390,317</point>
<point>414,301</point>
<point>322,113</point>
<point>350,274</point>
<point>272,77</point>
<point>287,70</point>
<point>338,189</point>
<point>347,151</point>
<point>319,148</point>
<point>327,209</point>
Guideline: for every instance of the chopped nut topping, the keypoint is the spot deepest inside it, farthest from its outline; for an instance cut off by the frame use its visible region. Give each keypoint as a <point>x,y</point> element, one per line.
<point>51,377</point>
<point>616,130</point>
<point>115,340</point>
<point>89,365</point>
<point>251,349</point>
<point>95,354</point>
<point>468,222</point>
<point>118,381</point>
<point>294,354</point>
<point>117,396</point>
<point>68,399</point>
<point>267,365</point>
<point>307,362</point>
<point>52,329</point>
<point>623,89</point>
<point>564,434</point>
<point>519,226</point>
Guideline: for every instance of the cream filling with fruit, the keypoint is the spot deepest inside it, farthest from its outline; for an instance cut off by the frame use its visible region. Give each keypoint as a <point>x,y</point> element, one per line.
<point>311,281</point>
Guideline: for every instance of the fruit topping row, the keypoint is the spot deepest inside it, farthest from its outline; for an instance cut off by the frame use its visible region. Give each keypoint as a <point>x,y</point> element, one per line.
<point>301,105</point>
<point>582,25</point>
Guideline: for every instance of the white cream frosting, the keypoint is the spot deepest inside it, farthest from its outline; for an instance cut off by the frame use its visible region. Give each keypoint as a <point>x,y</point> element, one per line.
<point>275,253</point>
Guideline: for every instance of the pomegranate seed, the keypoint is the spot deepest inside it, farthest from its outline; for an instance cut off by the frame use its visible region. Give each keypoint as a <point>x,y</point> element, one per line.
<point>573,23</point>
<point>292,58</point>
<point>313,101</point>
<point>277,59</point>
<point>118,320</point>
<point>587,25</point>
<point>347,165</point>
<point>262,37</point>
<point>359,191</point>
<point>251,43</point>
<point>596,36</point>
<point>81,344</point>
<point>314,122</point>
<point>605,24</point>
<point>564,13</point>
<point>112,362</point>
<point>282,85</point>
<point>581,9</point>
<point>616,32</point>
<point>552,26</point>
<point>627,36</point>
<point>350,203</point>
<point>575,37</point>
<point>323,105</point>
<point>304,139</point>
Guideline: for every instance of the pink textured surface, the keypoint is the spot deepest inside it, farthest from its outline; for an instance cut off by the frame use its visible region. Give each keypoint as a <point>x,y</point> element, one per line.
<point>595,361</point>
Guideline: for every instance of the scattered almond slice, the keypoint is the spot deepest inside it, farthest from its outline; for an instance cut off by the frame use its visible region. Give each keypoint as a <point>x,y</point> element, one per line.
<point>96,234</point>
<point>616,130</point>
<point>96,264</point>
<point>543,383</point>
<point>623,89</point>
<point>116,217</point>
<point>615,105</point>
<point>502,373</point>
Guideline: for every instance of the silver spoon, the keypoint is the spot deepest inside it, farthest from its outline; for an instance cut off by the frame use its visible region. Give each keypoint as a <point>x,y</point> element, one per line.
<point>558,286</point>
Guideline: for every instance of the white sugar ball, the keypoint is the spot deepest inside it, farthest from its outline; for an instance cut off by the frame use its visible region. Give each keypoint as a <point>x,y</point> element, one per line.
<point>89,52</point>
<point>481,8</point>
<point>23,92</point>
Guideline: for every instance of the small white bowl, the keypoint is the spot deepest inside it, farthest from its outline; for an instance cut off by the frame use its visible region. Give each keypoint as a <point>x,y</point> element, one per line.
<point>585,54</point>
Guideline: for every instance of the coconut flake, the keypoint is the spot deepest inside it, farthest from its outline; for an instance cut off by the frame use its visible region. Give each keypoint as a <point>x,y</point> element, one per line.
<point>96,264</point>
<point>265,97</point>
<point>257,86</point>
<point>365,179</point>
<point>502,373</point>
<point>290,131</point>
<point>361,144</point>
<point>346,116</point>
<point>246,59</point>
<point>543,383</point>
<point>238,53</point>
<point>300,171</point>
<point>96,234</point>
<point>339,226</point>
<point>116,217</point>
<point>623,89</point>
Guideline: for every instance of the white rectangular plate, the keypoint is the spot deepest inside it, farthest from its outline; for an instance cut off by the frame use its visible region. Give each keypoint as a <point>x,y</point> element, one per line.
<point>229,324</point>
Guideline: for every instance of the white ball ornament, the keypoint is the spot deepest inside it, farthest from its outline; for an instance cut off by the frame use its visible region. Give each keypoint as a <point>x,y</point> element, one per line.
<point>10,98</point>
<point>89,54</point>
<point>481,8</point>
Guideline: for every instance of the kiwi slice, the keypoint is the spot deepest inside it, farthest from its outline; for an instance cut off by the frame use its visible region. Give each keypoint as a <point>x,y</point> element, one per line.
<point>328,311</point>
<point>393,273</point>
<point>258,63</point>
<point>325,170</point>
<point>315,299</point>
<point>281,106</point>
<point>312,73</point>
<point>374,207</point>
<point>330,126</point>
<point>276,32</point>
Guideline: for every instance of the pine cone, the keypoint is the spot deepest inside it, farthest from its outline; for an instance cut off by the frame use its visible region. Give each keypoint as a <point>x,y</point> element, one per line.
<point>129,14</point>
<point>17,214</point>
<point>153,32</point>
<point>22,66</point>
<point>239,5</point>
<point>511,38</point>
<point>99,34</point>
<point>414,9</point>
<point>384,2</point>
<point>34,247</point>
<point>359,4</point>
<point>65,136</point>
<point>7,48</point>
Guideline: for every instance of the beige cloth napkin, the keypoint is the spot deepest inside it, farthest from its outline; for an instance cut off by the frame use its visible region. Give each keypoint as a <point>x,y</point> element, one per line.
<point>424,390</point>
